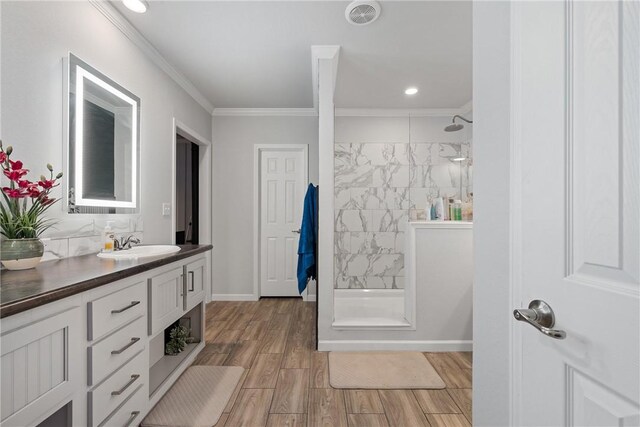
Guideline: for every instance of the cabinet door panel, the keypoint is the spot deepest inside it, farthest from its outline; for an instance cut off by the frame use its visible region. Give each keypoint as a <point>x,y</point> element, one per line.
<point>35,365</point>
<point>165,292</point>
<point>195,282</point>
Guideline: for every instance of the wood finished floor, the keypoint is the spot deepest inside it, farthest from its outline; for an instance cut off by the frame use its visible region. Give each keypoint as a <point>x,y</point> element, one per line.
<point>287,382</point>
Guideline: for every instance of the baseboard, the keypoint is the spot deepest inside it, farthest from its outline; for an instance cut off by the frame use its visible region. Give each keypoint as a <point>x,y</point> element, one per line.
<point>389,345</point>
<point>309,298</point>
<point>234,297</point>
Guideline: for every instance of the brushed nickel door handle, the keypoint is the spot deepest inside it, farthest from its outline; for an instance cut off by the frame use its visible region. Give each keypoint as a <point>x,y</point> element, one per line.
<point>540,316</point>
<point>193,278</point>
<point>133,416</point>
<point>133,304</point>
<point>129,344</point>
<point>296,231</point>
<point>133,379</point>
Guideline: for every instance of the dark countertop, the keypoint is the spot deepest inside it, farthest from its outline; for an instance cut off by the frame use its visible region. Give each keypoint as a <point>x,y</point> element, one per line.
<point>53,280</point>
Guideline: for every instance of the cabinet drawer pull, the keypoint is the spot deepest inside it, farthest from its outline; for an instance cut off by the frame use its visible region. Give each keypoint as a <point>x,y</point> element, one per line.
<point>132,342</point>
<point>133,304</point>
<point>133,416</point>
<point>193,278</point>
<point>133,379</point>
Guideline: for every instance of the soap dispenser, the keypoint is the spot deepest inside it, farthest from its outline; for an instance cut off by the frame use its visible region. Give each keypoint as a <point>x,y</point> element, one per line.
<point>108,238</point>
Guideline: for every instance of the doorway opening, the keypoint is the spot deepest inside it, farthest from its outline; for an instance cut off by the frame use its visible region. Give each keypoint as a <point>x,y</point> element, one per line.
<point>193,152</point>
<point>187,191</point>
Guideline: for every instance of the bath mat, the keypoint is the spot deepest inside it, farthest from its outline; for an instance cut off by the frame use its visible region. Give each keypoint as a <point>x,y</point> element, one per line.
<point>198,398</point>
<point>382,370</point>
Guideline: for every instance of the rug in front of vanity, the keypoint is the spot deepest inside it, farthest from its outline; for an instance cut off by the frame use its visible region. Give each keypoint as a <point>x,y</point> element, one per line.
<point>197,399</point>
<point>382,370</point>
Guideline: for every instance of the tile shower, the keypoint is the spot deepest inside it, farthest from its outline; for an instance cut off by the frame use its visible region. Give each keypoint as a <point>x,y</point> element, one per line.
<point>379,187</point>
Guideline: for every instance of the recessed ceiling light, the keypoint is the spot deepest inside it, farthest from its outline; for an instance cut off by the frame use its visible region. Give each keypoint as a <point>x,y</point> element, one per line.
<point>411,91</point>
<point>459,159</point>
<point>138,6</point>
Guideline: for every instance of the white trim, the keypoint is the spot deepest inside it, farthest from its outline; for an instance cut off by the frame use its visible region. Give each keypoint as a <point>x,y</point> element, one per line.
<point>121,23</point>
<point>397,112</point>
<point>234,297</point>
<point>322,52</point>
<point>394,345</point>
<point>515,214</point>
<point>466,108</point>
<point>205,208</point>
<point>325,66</point>
<point>267,112</point>
<point>257,149</point>
<point>307,297</point>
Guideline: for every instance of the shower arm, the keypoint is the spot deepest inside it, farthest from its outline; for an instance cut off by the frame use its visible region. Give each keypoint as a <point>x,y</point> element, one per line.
<point>460,117</point>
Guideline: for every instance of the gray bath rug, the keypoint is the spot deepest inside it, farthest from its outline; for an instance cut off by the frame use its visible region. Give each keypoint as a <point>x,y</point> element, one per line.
<point>198,398</point>
<point>382,370</point>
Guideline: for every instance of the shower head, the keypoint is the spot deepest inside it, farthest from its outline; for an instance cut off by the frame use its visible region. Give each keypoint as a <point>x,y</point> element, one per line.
<point>454,127</point>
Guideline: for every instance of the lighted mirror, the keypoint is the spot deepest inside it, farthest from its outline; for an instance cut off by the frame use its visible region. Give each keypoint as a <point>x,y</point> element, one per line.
<point>104,138</point>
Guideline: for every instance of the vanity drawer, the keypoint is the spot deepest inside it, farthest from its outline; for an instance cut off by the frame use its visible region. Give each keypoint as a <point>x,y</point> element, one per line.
<point>115,310</point>
<point>130,414</point>
<point>105,398</point>
<point>110,353</point>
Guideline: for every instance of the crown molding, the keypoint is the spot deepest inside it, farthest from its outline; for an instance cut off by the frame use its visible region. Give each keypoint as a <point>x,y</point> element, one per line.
<point>466,108</point>
<point>397,112</point>
<point>121,23</point>
<point>271,112</point>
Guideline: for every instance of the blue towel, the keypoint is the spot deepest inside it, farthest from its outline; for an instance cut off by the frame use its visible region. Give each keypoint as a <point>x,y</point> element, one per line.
<point>308,239</point>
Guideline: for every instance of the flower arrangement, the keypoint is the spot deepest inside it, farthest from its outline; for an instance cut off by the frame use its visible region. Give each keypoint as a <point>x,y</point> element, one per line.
<point>20,219</point>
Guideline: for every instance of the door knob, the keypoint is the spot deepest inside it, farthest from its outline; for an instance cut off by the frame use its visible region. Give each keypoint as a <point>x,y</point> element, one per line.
<point>296,231</point>
<point>540,316</point>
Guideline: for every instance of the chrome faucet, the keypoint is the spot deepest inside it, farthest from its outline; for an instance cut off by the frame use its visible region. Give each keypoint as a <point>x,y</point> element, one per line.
<point>124,243</point>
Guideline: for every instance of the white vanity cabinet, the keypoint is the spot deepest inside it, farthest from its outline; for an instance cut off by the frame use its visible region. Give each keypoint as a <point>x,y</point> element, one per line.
<point>41,353</point>
<point>90,355</point>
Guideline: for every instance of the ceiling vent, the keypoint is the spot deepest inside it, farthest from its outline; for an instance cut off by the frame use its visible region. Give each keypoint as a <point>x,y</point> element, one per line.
<point>362,12</point>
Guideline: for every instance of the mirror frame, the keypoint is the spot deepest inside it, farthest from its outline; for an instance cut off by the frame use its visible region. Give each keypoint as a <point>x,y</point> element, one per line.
<point>75,85</point>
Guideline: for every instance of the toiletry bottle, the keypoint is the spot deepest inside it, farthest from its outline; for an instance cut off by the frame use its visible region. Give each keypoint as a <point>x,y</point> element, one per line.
<point>439,208</point>
<point>427,209</point>
<point>452,214</point>
<point>457,210</point>
<point>108,236</point>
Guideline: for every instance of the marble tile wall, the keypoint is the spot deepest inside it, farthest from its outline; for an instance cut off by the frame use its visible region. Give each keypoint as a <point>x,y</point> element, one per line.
<point>379,187</point>
<point>80,235</point>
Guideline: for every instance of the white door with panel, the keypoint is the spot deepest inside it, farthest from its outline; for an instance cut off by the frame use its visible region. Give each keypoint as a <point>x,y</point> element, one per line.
<point>576,218</point>
<point>283,180</point>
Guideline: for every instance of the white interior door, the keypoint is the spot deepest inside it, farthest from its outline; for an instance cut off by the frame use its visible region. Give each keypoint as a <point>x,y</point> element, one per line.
<point>283,178</point>
<point>577,228</point>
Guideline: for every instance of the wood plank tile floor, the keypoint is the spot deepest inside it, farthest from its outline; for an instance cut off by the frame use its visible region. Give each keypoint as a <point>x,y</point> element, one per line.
<point>287,381</point>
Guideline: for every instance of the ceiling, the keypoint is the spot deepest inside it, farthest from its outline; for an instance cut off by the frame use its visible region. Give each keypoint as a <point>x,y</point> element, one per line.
<point>242,54</point>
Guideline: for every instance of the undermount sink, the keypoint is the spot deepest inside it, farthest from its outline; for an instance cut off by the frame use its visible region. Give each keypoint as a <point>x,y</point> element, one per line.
<point>139,252</point>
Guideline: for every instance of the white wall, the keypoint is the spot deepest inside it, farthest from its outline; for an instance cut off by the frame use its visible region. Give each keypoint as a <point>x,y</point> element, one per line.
<point>35,37</point>
<point>492,310</point>
<point>234,138</point>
